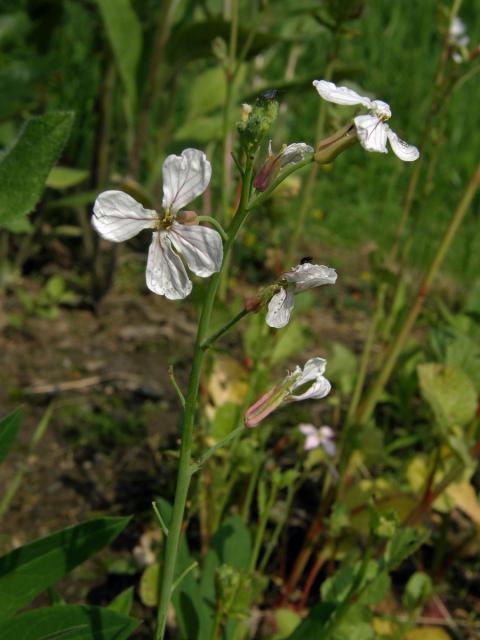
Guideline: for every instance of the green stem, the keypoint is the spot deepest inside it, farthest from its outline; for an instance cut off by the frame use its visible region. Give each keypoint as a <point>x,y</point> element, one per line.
<point>262,525</point>
<point>184,467</point>
<point>178,391</point>
<point>209,453</point>
<point>265,195</point>
<point>425,286</point>
<point>226,327</point>
<point>278,527</point>
<point>216,224</point>
<point>365,359</point>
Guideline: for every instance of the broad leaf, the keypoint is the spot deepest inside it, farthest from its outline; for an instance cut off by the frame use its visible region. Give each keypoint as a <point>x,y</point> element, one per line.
<point>68,622</point>
<point>24,169</point>
<point>449,392</point>
<point>8,431</point>
<point>65,177</point>
<point>29,570</point>
<point>125,36</point>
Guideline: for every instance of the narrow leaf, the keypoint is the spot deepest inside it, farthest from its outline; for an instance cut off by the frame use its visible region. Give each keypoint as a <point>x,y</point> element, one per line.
<point>125,36</point>
<point>24,169</point>
<point>68,622</point>
<point>8,430</point>
<point>123,602</point>
<point>29,570</point>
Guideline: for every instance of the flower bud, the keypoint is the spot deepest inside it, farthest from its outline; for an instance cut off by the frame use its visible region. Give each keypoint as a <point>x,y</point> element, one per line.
<point>328,149</point>
<point>263,114</point>
<point>187,217</point>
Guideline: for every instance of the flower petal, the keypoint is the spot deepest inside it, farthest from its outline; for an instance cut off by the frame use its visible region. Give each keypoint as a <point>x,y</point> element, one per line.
<point>201,247</point>
<point>165,273</point>
<point>312,372</point>
<point>294,153</point>
<point>311,442</point>
<point>307,429</point>
<point>340,95</point>
<point>402,149</point>
<point>184,178</point>
<point>117,216</point>
<point>279,308</point>
<point>306,276</point>
<point>372,133</point>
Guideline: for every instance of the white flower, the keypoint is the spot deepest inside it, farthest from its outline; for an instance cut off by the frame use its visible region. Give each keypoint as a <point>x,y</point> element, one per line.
<point>117,217</point>
<point>311,375</point>
<point>372,130</point>
<point>300,278</point>
<point>457,33</point>
<point>309,383</point>
<point>314,438</point>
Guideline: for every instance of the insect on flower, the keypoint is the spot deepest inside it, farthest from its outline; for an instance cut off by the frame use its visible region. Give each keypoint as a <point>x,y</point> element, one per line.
<point>302,277</point>
<point>372,130</point>
<point>117,217</point>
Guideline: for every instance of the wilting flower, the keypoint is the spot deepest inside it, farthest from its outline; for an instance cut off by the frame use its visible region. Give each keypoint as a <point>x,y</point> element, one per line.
<point>372,130</point>
<point>315,438</point>
<point>117,217</point>
<point>306,384</point>
<point>290,154</point>
<point>300,278</point>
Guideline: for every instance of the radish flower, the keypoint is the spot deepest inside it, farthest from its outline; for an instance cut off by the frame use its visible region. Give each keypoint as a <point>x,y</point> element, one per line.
<point>300,278</point>
<point>118,217</point>
<point>315,438</point>
<point>372,130</point>
<point>302,384</point>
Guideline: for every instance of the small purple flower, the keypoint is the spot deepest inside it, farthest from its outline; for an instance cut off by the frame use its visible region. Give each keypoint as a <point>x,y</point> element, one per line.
<point>315,438</point>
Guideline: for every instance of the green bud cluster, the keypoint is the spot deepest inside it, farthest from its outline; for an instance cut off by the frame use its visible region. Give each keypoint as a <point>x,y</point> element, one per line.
<point>257,125</point>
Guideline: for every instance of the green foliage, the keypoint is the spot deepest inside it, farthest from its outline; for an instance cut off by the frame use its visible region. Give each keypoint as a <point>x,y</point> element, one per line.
<point>450,394</point>
<point>418,591</point>
<point>123,602</point>
<point>8,432</point>
<point>125,36</point>
<point>25,168</point>
<point>257,125</point>
<point>65,177</point>
<point>46,302</point>
<point>29,570</point>
<point>68,621</point>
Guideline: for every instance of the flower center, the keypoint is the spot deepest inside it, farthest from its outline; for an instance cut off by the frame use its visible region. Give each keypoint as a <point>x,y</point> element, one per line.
<point>164,220</point>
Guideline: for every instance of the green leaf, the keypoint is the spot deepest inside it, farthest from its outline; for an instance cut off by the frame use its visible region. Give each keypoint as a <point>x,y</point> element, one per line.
<point>149,585</point>
<point>123,602</point>
<point>8,431</point>
<point>418,590</point>
<point>29,570</point>
<point>400,546</point>
<point>68,622</point>
<point>24,169</point>
<point>290,341</point>
<point>225,420</point>
<point>449,392</point>
<point>125,36</point>
<point>316,620</point>
<point>65,177</point>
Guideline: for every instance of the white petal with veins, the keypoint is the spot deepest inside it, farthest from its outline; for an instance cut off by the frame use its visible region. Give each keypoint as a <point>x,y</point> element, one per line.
<point>306,276</point>
<point>340,95</point>
<point>201,247</point>
<point>372,133</point>
<point>402,149</point>
<point>184,178</point>
<point>279,308</point>
<point>117,216</point>
<point>294,153</point>
<point>165,273</point>
<point>312,372</point>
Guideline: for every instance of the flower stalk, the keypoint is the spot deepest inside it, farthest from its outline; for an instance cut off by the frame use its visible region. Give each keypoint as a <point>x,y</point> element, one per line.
<point>184,468</point>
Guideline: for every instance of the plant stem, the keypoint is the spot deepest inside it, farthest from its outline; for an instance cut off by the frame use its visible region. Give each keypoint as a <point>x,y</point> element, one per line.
<point>226,327</point>
<point>373,395</point>
<point>364,360</point>
<point>262,525</point>
<point>184,468</point>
